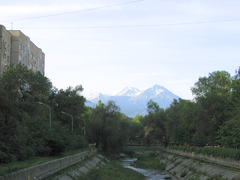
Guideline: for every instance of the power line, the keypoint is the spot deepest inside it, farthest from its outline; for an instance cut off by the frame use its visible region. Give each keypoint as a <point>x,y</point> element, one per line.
<point>91,9</point>
<point>132,26</point>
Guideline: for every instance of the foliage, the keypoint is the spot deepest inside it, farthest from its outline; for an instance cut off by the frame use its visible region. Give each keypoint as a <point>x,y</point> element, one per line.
<point>69,101</point>
<point>180,124</point>
<point>216,152</point>
<point>154,123</point>
<point>214,96</point>
<point>108,128</point>
<point>229,134</point>
<point>24,123</point>
<point>136,134</point>
<point>148,161</point>
<point>211,119</point>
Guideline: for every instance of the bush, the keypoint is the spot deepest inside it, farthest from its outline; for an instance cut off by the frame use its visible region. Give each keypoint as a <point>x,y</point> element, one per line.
<point>5,155</point>
<point>216,152</point>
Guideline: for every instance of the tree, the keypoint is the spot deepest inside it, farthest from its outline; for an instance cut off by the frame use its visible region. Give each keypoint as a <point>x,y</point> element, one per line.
<point>155,123</point>
<point>107,127</point>
<point>214,97</point>
<point>136,130</point>
<point>20,90</point>
<point>229,134</point>
<point>71,102</point>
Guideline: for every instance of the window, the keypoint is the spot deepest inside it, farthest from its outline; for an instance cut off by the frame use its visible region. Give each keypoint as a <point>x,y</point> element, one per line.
<point>23,59</point>
<point>20,46</point>
<point>31,56</point>
<point>34,68</point>
<point>20,58</point>
<point>31,66</point>
<point>34,58</point>
<point>8,59</point>
<point>9,47</point>
<point>5,56</point>
<point>5,45</point>
<point>23,48</point>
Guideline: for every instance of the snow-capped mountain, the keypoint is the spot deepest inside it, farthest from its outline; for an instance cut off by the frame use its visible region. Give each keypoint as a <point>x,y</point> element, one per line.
<point>128,91</point>
<point>132,100</point>
<point>95,97</point>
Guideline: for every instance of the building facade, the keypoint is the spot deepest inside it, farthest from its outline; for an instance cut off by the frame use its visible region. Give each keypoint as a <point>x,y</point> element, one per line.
<point>15,48</point>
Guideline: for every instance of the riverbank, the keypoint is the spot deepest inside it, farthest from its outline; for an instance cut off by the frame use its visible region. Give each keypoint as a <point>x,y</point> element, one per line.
<point>40,171</point>
<point>190,169</point>
<point>97,167</point>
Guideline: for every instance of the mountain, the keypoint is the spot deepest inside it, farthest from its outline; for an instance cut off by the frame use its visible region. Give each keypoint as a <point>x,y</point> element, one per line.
<point>128,91</point>
<point>133,101</point>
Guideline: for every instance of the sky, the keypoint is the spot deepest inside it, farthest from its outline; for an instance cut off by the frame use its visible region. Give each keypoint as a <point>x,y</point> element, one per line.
<point>107,45</point>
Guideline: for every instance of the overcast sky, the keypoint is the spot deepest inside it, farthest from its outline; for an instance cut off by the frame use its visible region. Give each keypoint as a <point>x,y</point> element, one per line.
<point>107,45</point>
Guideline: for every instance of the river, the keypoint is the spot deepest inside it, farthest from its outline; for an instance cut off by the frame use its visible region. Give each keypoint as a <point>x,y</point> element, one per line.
<point>149,173</point>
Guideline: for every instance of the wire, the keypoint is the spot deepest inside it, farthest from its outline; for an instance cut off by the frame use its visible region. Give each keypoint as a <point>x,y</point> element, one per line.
<point>91,9</point>
<point>132,26</point>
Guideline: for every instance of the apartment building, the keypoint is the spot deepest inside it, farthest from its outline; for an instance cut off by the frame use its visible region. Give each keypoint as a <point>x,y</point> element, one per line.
<point>15,47</point>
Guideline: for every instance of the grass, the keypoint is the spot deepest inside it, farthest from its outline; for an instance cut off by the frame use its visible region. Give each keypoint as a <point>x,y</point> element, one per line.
<point>18,165</point>
<point>148,161</point>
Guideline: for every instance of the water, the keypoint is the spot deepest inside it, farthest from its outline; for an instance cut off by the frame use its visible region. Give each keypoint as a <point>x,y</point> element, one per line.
<point>149,173</point>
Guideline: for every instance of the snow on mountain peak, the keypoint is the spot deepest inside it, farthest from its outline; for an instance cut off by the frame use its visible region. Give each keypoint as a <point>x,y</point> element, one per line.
<point>94,95</point>
<point>128,91</point>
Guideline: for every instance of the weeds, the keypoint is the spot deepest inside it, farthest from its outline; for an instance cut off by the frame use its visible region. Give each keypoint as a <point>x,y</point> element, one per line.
<point>193,169</point>
<point>148,161</point>
<point>196,176</point>
<point>216,177</point>
<point>183,173</point>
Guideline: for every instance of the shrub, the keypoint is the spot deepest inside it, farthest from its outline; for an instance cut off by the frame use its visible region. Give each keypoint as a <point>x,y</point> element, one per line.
<point>216,152</point>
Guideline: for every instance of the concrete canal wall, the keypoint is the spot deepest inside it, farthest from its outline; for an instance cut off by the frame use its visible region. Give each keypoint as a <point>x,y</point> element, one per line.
<point>207,158</point>
<point>182,168</point>
<point>46,169</point>
<point>194,166</point>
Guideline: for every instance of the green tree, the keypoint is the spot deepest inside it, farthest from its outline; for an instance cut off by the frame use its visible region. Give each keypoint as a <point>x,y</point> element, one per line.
<point>155,123</point>
<point>20,89</point>
<point>107,127</point>
<point>229,134</point>
<point>69,101</point>
<point>181,121</point>
<point>214,97</point>
<point>136,130</point>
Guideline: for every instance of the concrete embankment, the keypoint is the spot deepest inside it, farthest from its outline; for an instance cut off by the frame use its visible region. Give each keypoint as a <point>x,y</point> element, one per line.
<point>207,158</point>
<point>191,169</point>
<point>46,169</point>
<point>93,163</point>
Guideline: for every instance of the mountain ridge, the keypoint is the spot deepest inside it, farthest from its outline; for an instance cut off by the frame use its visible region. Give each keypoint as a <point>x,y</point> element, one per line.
<point>133,101</point>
